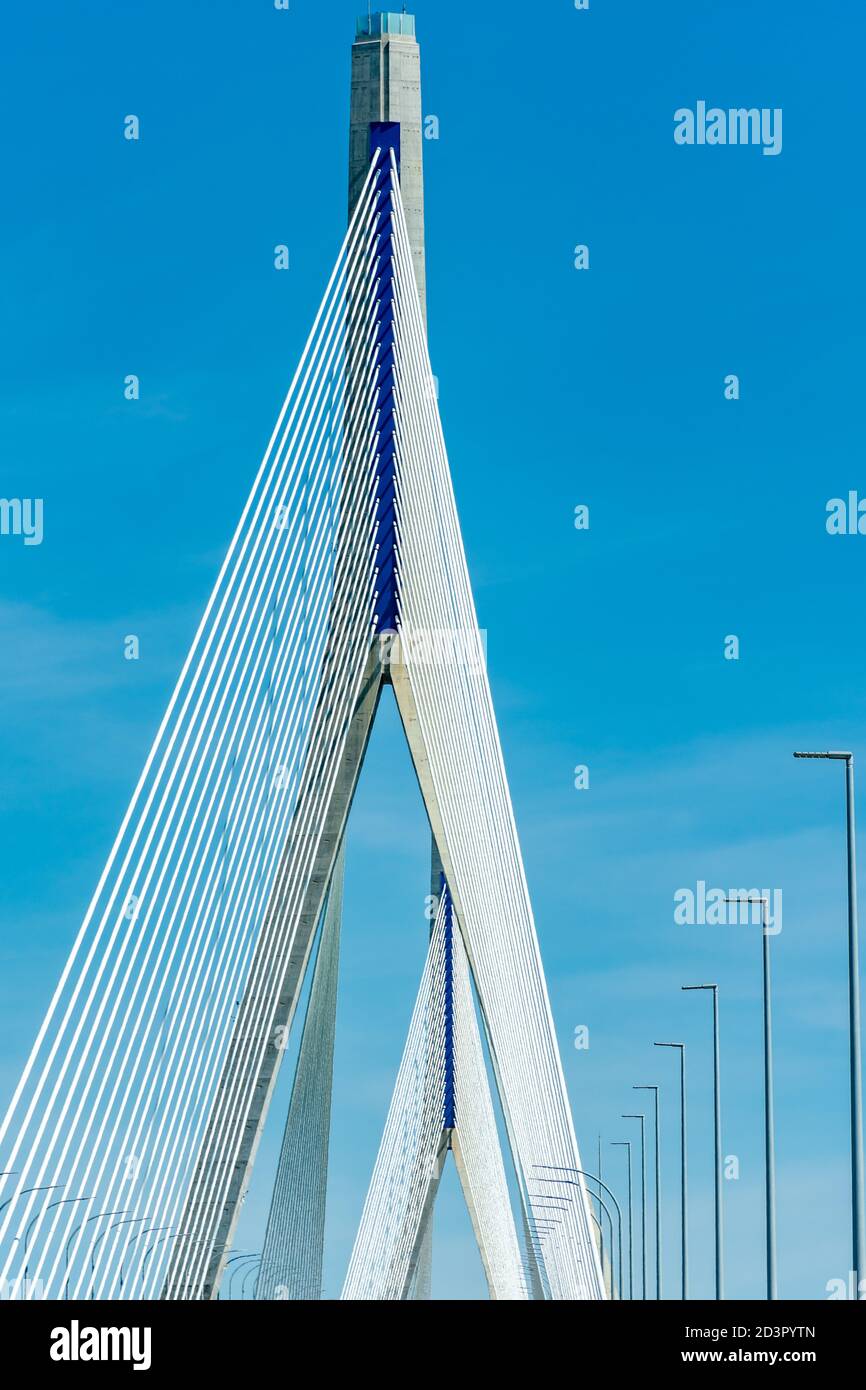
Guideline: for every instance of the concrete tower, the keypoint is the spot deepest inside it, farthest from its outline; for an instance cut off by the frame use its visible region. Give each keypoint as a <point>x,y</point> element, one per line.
<point>386,86</point>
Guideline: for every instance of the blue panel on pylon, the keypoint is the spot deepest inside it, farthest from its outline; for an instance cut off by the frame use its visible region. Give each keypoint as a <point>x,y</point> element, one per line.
<point>385,135</point>
<point>449,1115</point>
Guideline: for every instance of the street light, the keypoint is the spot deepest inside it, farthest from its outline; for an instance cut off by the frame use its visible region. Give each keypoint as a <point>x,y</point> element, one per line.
<point>684,1213</point>
<point>857,1197</point>
<point>64,1201</point>
<point>642,1119</point>
<point>46,1187</point>
<point>95,1217</point>
<point>149,1231</point>
<point>658,1192</point>
<point>626,1144</point>
<point>769,1112</point>
<point>553,1201</point>
<point>615,1281</point>
<point>254,1268</point>
<point>717,1124</point>
<point>600,1226</point>
<point>130,1221</point>
<point>600,1232</point>
<point>552,1168</point>
<point>231,1261</point>
<point>234,1271</point>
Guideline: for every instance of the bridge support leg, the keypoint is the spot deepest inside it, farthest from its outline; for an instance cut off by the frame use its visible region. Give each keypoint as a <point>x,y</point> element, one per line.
<point>215,1198</point>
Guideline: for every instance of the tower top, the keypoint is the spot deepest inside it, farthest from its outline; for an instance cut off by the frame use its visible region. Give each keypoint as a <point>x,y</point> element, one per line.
<point>386,90</point>
<point>385,22</point>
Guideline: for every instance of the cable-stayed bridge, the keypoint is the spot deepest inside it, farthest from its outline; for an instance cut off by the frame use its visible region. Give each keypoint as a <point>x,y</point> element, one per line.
<point>129,1143</point>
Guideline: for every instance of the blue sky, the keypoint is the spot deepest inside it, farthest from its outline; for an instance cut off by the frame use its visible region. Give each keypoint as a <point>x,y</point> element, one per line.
<point>557,387</point>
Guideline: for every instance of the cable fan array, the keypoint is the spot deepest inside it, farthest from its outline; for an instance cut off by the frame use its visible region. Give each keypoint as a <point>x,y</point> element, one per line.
<point>441,1101</point>
<point>107,1122</point>
<point>129,1140</point>
<point>452,710</point>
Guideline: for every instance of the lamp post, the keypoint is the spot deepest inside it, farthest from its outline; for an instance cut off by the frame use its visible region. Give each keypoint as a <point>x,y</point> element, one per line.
<point>598,1225</point>
<point>642,1119</point>
<point>769,1109</point>
<point>717,1126</point>
<point>566,1182</point>
<point>626,1144</point>
<point>46,1187</point>
<point>655,1089</point>
<point>64,1201</point>
<point>601,1227</point>
<point>548,1202</point>
<point>130,1221</point>
<point>684,1204</point>
<point>253,1269</point>
<point>149,1231</point>
<point>244,1258</point>
<point>144,1269</point>
<point>858,1222</point>
<point>615,1282</point>
<point>95,1217</point>
<point>232,1260</point>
